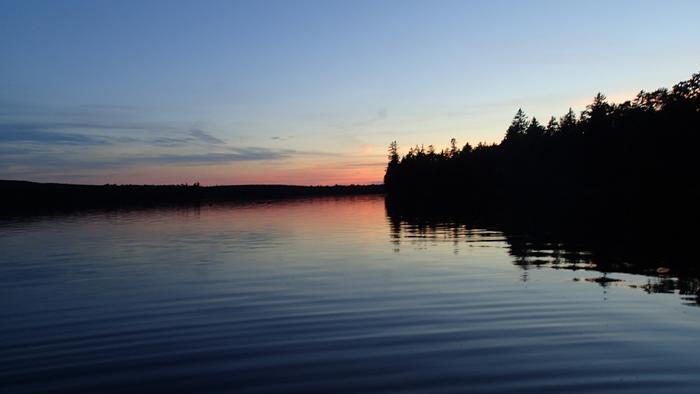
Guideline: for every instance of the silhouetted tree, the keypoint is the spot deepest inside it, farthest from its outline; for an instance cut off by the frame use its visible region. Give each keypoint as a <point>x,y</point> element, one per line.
<point>535,129</point>
<point>517,127</point>
<point>567,124</point>
<point>454,151</point>
<point>552,127</point>
<point>393,152</point>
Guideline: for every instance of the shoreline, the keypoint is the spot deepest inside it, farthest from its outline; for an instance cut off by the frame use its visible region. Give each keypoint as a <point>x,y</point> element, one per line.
<point>25,197</point>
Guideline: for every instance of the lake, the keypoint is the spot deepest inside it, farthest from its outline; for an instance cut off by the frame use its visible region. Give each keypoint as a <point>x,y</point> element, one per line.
<point>327,295</point>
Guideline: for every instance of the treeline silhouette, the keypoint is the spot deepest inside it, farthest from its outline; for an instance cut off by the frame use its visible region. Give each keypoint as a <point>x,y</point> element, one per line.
<point>636,159</point>
<point>21,197</point>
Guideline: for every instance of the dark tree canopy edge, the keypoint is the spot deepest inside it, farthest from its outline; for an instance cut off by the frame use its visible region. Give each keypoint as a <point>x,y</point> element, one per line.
<point>637,160</point>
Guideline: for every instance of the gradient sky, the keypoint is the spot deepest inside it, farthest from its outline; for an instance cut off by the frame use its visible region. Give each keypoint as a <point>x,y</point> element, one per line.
<point>306,92</point>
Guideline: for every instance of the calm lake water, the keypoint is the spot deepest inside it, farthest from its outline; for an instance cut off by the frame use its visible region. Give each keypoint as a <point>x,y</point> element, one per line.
<point>324,295</point>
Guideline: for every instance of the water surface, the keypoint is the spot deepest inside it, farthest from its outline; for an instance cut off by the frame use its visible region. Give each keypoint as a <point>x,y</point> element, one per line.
<point>325,295</point>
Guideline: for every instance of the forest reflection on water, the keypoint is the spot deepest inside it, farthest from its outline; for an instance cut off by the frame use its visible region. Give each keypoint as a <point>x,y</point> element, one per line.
<point>332,295</point>
<point>599,260</point>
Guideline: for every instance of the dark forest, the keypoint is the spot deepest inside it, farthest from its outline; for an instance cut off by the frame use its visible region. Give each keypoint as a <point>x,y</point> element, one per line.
<point>638,159</point>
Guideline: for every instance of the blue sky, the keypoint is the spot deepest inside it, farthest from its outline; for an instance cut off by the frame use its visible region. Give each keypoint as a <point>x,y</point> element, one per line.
<point>306,92</point>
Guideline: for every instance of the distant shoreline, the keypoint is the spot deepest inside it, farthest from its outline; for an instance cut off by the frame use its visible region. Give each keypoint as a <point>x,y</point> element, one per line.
<point>26,197</point>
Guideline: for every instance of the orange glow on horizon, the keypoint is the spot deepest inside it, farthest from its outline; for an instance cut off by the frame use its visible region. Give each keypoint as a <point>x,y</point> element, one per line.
<point>310,174</point>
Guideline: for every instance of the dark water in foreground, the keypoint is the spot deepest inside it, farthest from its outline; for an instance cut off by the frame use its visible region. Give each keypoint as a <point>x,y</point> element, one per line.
<point>329,296</point>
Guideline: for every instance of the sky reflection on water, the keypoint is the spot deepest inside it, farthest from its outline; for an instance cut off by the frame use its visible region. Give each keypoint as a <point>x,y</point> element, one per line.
<point>325,295</point>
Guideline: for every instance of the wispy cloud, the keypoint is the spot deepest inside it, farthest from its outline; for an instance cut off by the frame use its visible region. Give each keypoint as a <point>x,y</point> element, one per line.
<point>85,125</point>
<point>14,150</point>
<point>28,135</point>
<point>107,141</point>
<point>206,137</point>
<point>235,155</point>
<point>54,133</point>
<point>74,161</point>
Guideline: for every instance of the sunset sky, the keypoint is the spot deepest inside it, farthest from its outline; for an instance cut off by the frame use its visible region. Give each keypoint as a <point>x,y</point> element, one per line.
<point>306,92</point>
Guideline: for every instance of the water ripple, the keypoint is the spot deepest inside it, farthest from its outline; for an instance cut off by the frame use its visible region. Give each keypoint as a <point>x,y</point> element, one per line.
<point>313,296</point>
